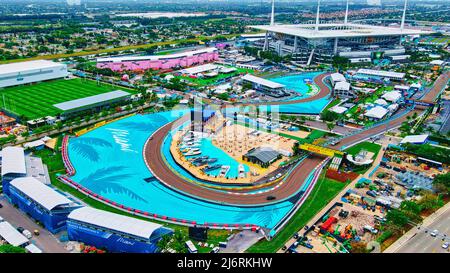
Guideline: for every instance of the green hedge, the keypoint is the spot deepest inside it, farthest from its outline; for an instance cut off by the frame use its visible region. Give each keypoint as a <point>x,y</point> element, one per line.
<point>384,236</point>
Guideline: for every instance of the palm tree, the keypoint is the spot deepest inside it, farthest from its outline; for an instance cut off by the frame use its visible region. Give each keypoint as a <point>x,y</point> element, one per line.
<point>163,244</point>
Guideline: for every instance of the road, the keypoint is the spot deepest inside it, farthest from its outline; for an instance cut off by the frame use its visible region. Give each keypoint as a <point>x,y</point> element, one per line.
<point>46,241</point>
<point>422,242</point>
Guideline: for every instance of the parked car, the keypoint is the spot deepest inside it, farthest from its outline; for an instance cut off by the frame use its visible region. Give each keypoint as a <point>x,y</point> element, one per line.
<point>445,245</point>
<point>27,233</point>
<point>434,233</point>
<point>371,193</point>
<point>20,229</point>
<point>370,229</point>
<point>215,250</point>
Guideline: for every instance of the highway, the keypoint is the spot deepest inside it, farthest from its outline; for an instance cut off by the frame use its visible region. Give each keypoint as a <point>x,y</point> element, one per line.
<point>423,242</point>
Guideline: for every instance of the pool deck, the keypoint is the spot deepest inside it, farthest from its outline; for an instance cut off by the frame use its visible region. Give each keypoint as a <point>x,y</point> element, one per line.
<point>234,140</point>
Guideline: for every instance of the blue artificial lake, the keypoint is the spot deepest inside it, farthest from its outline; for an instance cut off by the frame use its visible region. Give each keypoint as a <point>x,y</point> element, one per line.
<point>109,162</point>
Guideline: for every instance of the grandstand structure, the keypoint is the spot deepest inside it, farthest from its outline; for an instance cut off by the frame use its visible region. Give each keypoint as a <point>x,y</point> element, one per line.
<point>41,202</point>
<point>115,232</point>
<point>319,42</point>
<point>158,62</point>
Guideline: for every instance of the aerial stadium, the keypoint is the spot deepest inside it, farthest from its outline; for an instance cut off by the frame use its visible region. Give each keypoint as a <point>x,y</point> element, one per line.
<point>317,43</point>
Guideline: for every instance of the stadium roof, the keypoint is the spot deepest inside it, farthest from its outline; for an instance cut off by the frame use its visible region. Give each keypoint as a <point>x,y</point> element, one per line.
<point>338,30</point>
<point>11,235</point>
<point>114,221</point>
<point>26,66</point>
<point>13,161</point>
<point>381,73</point>
<point>376,112</point>
<point>40,193</point>
<point>157,57</point>
<point>262,81</point>
<point>73,104</point>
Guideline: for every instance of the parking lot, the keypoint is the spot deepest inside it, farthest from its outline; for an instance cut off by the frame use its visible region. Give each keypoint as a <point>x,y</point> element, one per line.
<point>46,241</point>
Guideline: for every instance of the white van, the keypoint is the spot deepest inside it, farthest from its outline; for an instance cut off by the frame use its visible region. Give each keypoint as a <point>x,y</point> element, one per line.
<point>27,233</point>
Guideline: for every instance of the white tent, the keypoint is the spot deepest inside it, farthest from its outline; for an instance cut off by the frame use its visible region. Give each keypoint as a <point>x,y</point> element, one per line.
<point>376,112</point>
<point>392,96</point>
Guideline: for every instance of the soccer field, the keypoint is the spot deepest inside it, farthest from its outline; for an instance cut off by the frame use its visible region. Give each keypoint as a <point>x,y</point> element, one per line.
<point>37,100</point>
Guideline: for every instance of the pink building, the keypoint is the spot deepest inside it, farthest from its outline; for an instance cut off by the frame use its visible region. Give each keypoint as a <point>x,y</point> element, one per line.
<point>156,62</point>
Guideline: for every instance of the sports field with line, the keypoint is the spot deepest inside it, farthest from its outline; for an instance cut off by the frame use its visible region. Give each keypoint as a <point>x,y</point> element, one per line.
<point>36,100</point>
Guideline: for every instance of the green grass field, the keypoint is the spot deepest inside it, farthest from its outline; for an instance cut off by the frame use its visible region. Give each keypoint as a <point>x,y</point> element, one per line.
<point>368,146</point>
<point>36,100</point>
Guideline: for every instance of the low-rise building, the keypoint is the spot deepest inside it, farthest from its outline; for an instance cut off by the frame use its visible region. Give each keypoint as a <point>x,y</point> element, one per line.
<point>265,86</point>
<point>343,90</point>
<point>263,156</point>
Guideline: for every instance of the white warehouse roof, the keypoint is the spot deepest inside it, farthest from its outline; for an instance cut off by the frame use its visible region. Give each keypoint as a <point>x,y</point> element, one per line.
<point>13,161</point>
<point>114,221</point>
<point>26,66</point>
<point>40,193</point>
<point>414,139</point>
<point>261,81</point>
<point>11,235</point>
<point>377,112</point>
<point>73,104</point>
<point>381,73</point>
